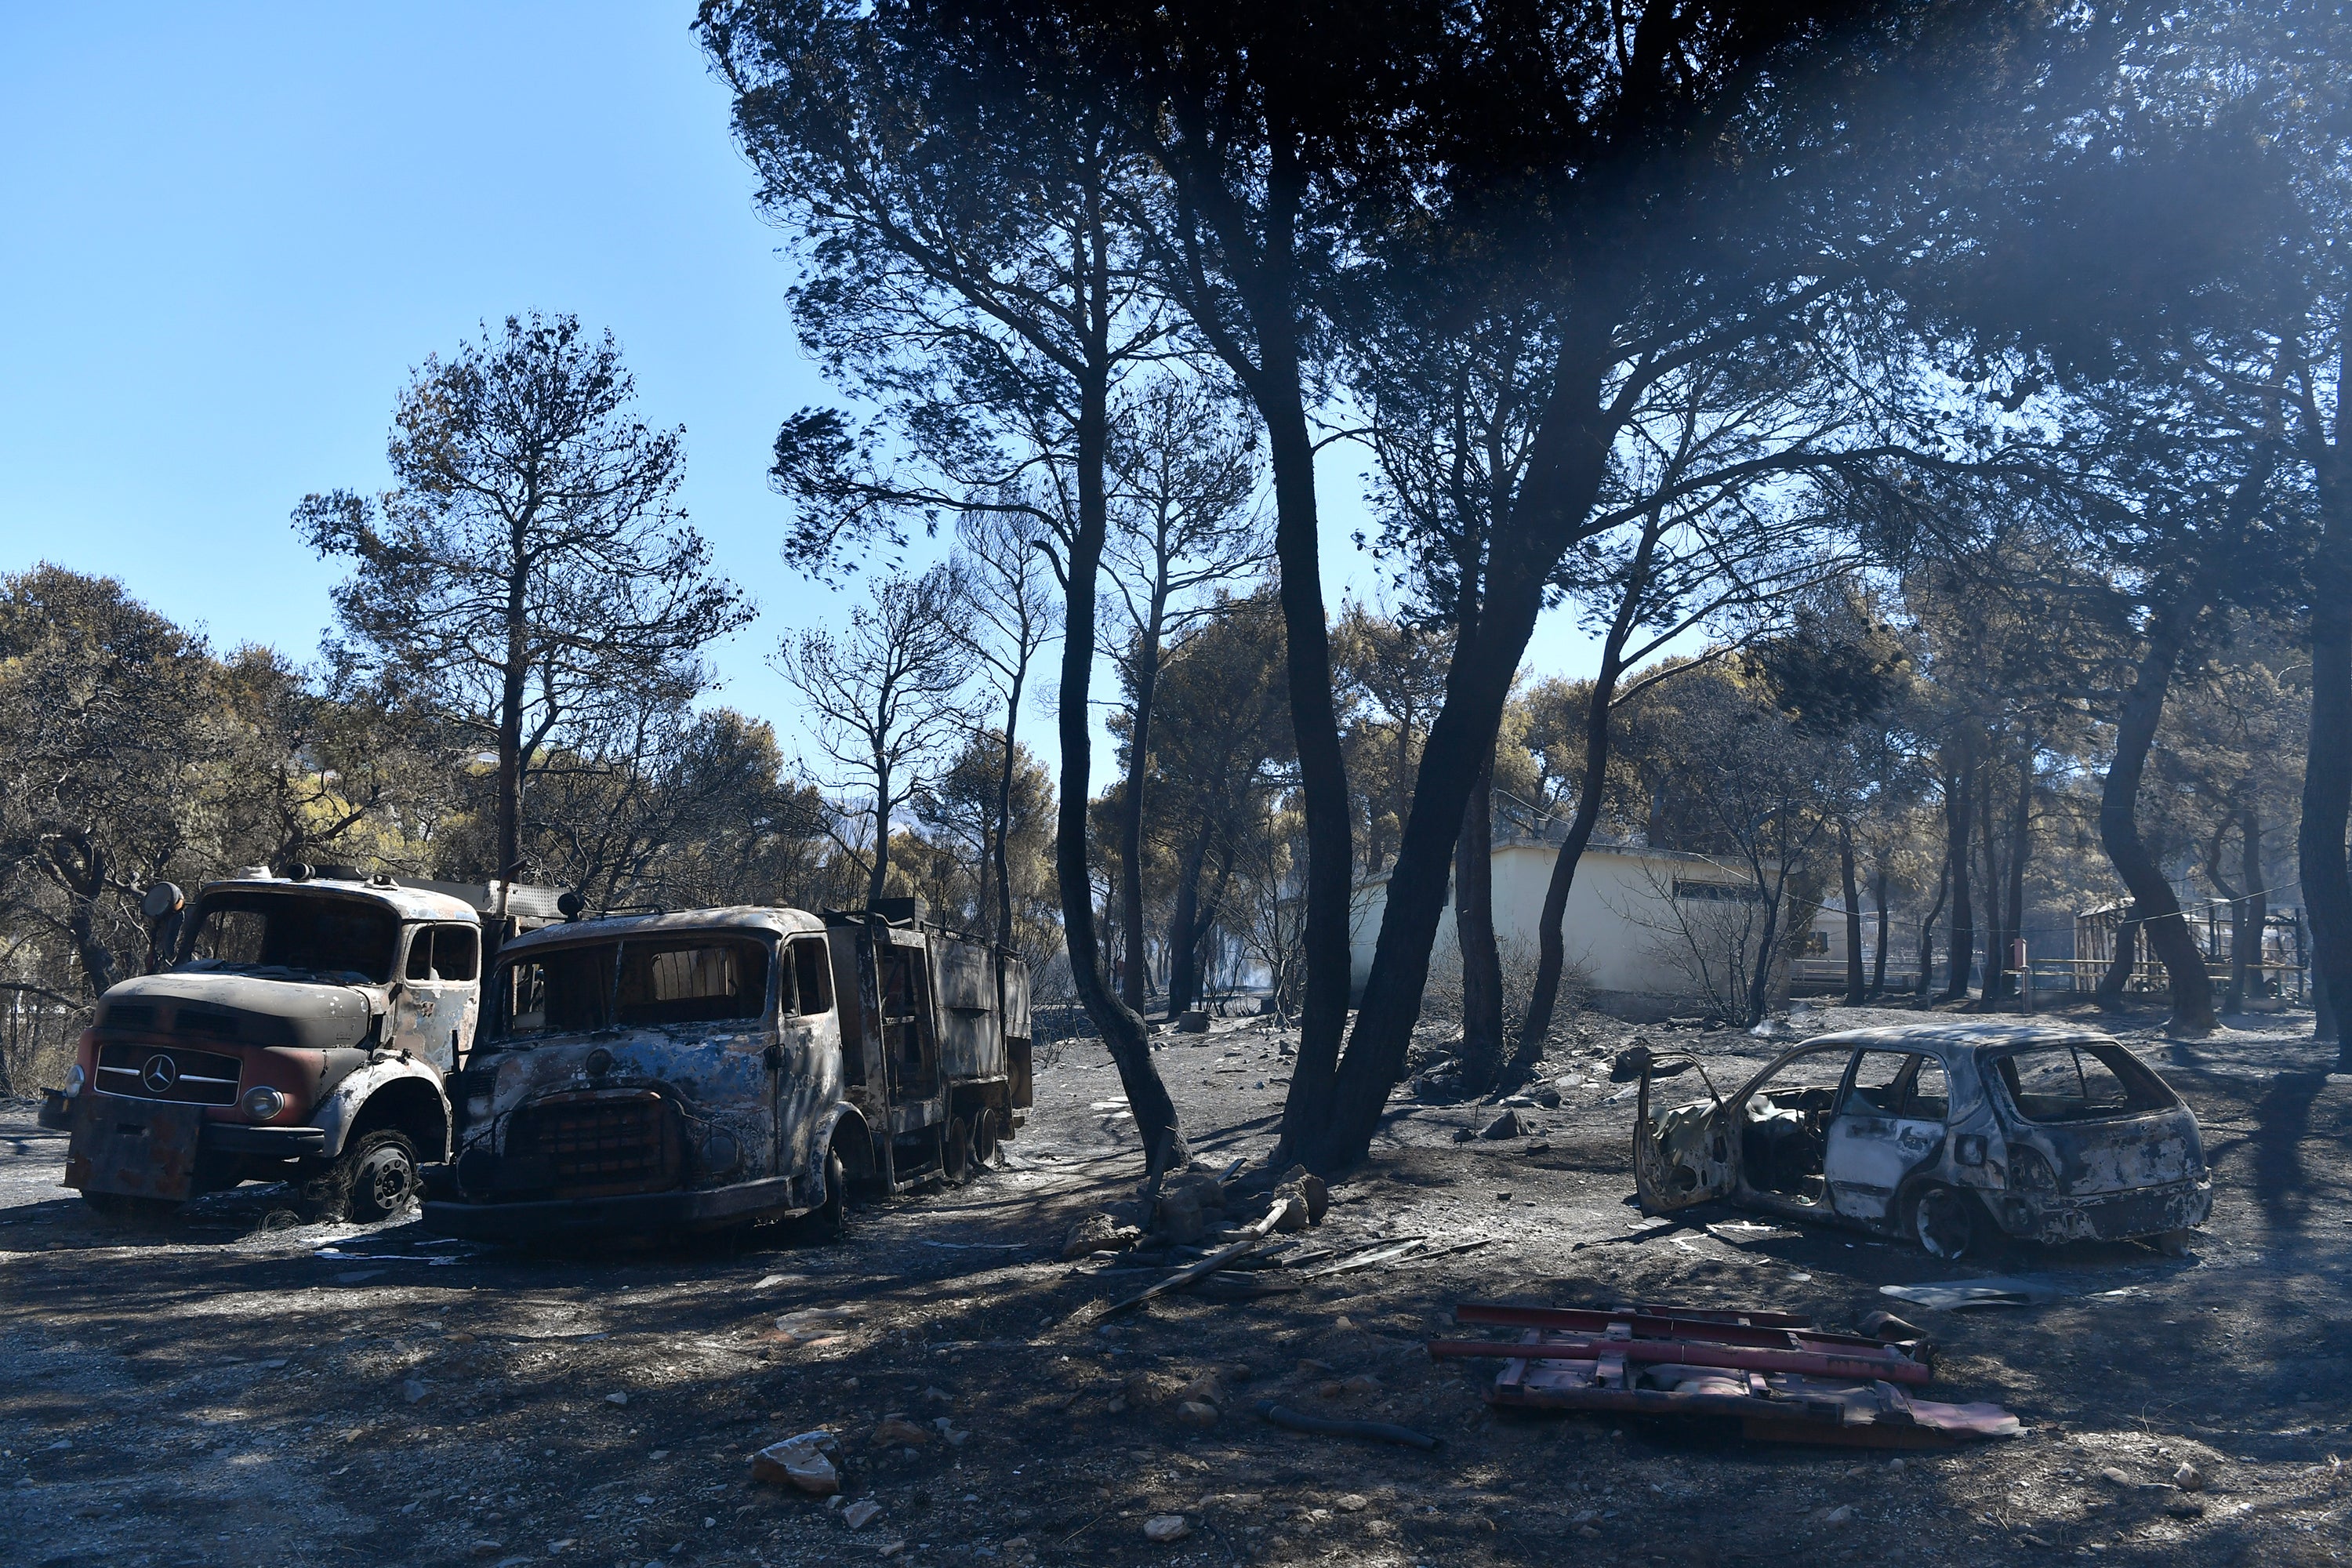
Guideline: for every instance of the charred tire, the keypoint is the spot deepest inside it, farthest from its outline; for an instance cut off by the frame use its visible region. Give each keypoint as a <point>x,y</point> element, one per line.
<point>829,1221</point>
<point>1947,1223</point>
<point>984,1135</point>
<point>956,1150</point>
<point>375,1179</point>
<point>121,1209</point>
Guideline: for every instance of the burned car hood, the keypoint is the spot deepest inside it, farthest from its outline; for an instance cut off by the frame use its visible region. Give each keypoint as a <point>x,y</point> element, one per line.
<point>239,1009</point>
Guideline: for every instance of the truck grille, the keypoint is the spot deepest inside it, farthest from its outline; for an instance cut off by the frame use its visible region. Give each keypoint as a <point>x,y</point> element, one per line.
<point>167,1072</point>
<point>608,1143</point>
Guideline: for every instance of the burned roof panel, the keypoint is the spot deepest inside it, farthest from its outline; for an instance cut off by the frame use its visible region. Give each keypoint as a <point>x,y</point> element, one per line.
<point>605,928</point>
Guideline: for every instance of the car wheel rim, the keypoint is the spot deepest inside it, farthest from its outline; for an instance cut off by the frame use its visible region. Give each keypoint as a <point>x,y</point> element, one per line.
<point>1942,1226</point>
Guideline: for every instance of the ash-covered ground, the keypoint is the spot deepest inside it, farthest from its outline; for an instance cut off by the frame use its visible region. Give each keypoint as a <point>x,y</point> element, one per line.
<point>237,1388</point>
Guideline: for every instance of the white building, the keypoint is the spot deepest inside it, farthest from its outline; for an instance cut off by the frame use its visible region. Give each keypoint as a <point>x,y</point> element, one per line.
<point>1648,932</point>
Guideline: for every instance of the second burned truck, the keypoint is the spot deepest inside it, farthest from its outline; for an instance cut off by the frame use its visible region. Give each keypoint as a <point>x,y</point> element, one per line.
<point>661,1074</point>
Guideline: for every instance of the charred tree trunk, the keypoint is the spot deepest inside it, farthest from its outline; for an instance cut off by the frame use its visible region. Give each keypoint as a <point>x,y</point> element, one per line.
<point>1558,493</point>
<point>1996,933</point>
<point>1959,785</point>
<point>876,884</point>
<point>2328,795</point>
<point>1135,989</point>
<point>1760,983</point>
<point>75,863</point>
<point>1878,958</point>
<point>512,684</point>
<point>2246,937</point>
<point>2120,963</point>
<point>1183,935</point>
<point>1473,926</point>
<point>1925,982</point>
<point>1122,1029</point>
<point>1856,987</point>
<point>2158,908</point>
<point>1322,771</point>
<point>1001,854</point>
<point>1551,942</point>
<point>2248,909</point>
<point>1266,286</point>
<point>2021,847</point>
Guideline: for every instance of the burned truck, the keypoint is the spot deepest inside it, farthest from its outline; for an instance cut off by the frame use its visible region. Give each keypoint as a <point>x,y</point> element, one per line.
<point>300,1029</point>
<point>657,1075</point>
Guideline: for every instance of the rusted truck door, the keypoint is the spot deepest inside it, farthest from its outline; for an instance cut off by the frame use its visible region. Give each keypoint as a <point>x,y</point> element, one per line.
<point>809,1077</point>
<point>1890,1122</point>
<point>910,1035</point>
<point>439,997</point>
<point>1686,1153</point>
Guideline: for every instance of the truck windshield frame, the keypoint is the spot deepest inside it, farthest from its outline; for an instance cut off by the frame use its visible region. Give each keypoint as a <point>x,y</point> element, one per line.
<point>649,982</point>
<point>271,934</point>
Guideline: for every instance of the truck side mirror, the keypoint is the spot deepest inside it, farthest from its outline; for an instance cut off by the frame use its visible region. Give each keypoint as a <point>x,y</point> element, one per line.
<point>165,908</point>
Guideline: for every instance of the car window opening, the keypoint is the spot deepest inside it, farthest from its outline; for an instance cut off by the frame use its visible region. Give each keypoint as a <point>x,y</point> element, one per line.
<point>2064,1083</point>
<point>1786,1135</point>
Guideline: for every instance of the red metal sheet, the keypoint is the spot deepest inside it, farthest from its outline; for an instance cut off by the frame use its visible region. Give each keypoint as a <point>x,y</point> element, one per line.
<point>1765,1329</point>
<point>1890,1366</point>
<point>1847,1395</point>
<point>138,1148</point>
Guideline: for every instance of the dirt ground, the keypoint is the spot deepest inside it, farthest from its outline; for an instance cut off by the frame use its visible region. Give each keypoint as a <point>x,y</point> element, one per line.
<point>238,1389</point>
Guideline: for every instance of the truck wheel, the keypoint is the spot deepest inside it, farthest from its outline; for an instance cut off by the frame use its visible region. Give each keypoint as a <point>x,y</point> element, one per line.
<point>121,1209</point>
<point>375,1179</point>
<point>955,1155</point>
<point>1947,1224</point>
<point>829,1220</point>
<point>983,1137</point>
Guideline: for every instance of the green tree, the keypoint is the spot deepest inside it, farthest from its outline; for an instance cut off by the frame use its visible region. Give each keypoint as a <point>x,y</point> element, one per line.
<point>885,695</point>
<point>971,273</point>
<point>527,576</point>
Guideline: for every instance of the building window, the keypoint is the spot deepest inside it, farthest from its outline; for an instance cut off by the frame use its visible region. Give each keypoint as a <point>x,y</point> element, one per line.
<point>1719,892</point>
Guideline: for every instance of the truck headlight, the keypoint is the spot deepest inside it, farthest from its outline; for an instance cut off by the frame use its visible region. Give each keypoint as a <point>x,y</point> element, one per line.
<point>262,1103</point>
<point>75,1078</point>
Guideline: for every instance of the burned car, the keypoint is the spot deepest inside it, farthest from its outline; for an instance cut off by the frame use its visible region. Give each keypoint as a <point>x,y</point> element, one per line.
<point>300,1030</point>
<point>658,1074</point>
<point>1954,1136</point>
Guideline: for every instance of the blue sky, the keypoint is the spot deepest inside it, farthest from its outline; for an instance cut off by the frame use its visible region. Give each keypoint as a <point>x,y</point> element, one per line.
<point>231,230</point>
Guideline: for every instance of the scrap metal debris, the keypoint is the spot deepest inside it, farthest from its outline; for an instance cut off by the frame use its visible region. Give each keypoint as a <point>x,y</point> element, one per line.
<point>1780,1377</point>
<point>1966,1295</point>
<point>1253,1236</point>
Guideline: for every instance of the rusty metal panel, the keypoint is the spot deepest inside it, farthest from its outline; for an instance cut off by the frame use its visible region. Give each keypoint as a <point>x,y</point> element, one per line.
<point>972,1043</point>
<point>964,979</point>
<point>1780,1377</point>
<point>138,1148</point>
<point>1014,1010</point>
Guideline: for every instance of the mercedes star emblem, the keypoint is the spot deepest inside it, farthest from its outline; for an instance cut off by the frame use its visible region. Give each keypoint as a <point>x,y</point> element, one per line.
<point>160,1073</point>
